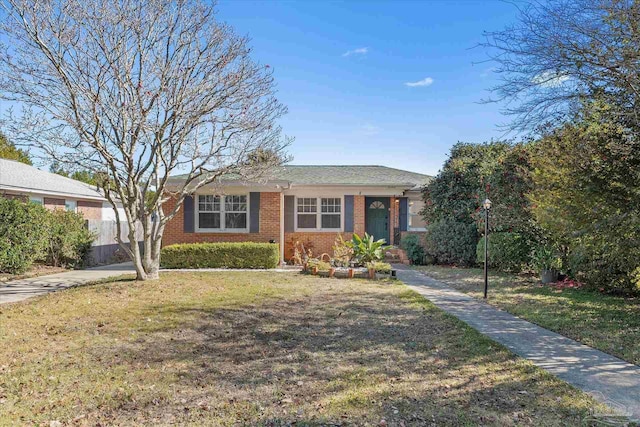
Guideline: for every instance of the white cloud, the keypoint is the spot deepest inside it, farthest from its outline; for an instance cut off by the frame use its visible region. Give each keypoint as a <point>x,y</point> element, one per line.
<point>427,81</point>
<point>359,51</point>
<point>550,79</point>
<point>369,130</point>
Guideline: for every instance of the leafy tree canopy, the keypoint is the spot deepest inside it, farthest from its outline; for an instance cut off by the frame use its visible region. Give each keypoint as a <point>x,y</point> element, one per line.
<point>9,151</point>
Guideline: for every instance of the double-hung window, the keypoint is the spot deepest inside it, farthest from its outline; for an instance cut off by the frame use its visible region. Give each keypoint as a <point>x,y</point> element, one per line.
<point>209,212</point>
<point>235,212</point>
<point>330,212</point>
<point>222,213</point>
<point>319,213</point>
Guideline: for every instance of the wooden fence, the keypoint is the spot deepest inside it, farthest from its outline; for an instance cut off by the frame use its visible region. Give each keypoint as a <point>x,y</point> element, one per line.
<point>105,249</point>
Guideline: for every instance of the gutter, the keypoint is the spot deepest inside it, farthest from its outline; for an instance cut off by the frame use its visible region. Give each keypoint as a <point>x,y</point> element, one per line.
<point>51,193</point>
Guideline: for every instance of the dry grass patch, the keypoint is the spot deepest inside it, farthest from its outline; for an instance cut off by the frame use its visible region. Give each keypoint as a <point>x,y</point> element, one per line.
<point>262,348</point>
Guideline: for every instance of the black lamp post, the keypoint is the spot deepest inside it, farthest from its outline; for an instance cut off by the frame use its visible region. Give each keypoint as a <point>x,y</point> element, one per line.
<point>487,208</point>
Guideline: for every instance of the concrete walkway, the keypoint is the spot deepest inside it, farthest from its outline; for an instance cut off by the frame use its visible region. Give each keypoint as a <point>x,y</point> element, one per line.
<point>18,290</point>
<point>608,379</point>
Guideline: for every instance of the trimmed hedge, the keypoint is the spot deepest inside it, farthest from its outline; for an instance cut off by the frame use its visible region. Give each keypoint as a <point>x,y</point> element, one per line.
<point>220,255</point>
<point>452,242</point>
<point>507,251</point>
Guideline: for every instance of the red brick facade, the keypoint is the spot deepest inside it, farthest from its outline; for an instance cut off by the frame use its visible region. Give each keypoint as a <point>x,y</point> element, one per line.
<point>319,242</point>
<point>89,209</point>
<point>53,203</point>
<point>269,226</point>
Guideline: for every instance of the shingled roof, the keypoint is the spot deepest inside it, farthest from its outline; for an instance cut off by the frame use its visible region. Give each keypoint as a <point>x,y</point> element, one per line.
<point>342,175</point>
<point>350,175</point>
<point>18,177</point>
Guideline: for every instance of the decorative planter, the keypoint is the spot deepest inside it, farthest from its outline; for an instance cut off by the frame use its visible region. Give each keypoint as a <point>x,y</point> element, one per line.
<point>372,273</point>
<point>350,274</point>
<point>332,272</point>
<point>548,276</point>
<point>314,271</point>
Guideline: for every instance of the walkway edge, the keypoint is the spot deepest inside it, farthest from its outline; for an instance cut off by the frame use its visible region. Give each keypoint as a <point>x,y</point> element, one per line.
<point>606,378</point>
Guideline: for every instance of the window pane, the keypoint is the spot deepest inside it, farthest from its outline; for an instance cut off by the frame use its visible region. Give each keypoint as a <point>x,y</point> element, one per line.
<point>235,203</point>
<point>70,205</point>
<point>330,221</point>
<point>331,205</point>
<point>307,204</point>
<point>209,220</point>
<point>306,221</point>
<point>235,220</point>
<point>208,203</point>
<point>417,221</point>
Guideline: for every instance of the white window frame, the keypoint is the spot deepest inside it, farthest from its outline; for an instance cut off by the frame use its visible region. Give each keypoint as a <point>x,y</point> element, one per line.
<point>319,214</point>
<point>71,203</point>
<point>409,215</point>
<point>222,212</point>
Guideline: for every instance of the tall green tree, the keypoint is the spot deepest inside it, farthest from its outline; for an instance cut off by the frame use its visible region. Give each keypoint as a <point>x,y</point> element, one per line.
<point>9,151</point>
<point>496,170</point>
<point>453,209</point>
<point>586,196</point>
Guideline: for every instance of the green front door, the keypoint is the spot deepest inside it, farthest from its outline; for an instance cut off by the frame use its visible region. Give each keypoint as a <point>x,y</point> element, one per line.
<point>377,217</point>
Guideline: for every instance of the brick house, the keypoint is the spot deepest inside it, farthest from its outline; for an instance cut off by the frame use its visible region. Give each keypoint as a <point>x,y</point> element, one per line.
<point>310,204</point>
<point>21,181</point>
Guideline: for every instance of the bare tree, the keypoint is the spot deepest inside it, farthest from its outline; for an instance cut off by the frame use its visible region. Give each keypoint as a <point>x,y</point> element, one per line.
<point>135,91</point>
<point>563,53</point>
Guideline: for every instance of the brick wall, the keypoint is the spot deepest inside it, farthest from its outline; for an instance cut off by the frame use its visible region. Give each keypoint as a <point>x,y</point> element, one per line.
<point>358,215</point>
<point>269,225</point>
<point>53,203</point>
<point>90,209</point>
<point>322,242</point>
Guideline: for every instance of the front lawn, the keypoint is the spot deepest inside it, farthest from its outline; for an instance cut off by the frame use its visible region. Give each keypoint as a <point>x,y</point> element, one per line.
<point>609,323</point>
<point>262,348</point>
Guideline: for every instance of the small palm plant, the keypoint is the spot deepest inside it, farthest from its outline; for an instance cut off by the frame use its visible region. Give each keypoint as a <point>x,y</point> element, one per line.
<point>366,249</point>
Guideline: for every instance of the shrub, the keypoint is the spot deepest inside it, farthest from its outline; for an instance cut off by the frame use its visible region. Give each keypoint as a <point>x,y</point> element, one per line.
<point>69,241</point>
<point>452,242</point>
<point>413,247</point>
<point>605,266</point>
<point>507,251</point>
<point>22,234</point>
<point>221,255</point>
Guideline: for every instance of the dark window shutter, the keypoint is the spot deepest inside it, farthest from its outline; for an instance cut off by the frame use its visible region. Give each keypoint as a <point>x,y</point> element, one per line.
<point>289,212</point>
<point>348,213</point>
<point>254,212</point>
<point>404,206</point>
<point>189,217</point>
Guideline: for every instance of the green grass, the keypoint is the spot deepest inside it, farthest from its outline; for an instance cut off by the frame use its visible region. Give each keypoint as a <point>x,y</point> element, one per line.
<point>262,348</point>
<point>609,323</point>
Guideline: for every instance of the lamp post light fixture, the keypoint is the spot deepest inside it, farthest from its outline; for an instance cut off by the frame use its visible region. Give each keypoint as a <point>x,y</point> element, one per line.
<point>487,208</point>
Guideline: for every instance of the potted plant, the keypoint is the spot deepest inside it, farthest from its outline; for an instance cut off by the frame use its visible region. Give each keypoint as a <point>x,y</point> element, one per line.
<point>547,262</point>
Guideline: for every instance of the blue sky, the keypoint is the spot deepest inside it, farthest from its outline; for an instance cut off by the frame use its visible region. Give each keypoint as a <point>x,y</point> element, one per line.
<point>342,69</point>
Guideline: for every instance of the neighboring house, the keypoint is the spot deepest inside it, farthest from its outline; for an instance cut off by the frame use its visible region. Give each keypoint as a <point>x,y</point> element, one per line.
<point>24,182</point>
<point>310,204</point>
<point>18,180</point>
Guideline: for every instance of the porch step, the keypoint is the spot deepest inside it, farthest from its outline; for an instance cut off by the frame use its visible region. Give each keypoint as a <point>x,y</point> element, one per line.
<point>396,256</point>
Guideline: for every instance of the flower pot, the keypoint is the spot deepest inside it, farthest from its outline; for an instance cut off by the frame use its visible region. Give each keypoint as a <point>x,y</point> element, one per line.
<point>314,270</point>
<point>350,274</point>
<point>332,272</point>
<point>372,273</point>
<point>548,276</point>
